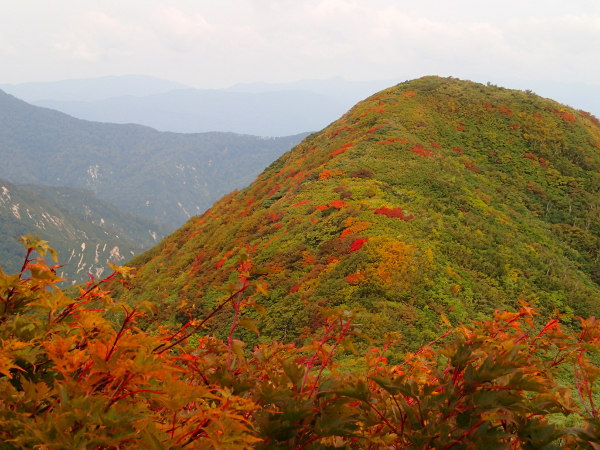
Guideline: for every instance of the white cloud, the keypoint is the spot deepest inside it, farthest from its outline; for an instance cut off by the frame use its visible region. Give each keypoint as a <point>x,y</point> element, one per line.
<point>208,43</point>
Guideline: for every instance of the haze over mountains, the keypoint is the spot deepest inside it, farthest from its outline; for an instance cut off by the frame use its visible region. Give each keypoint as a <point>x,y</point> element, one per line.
<point>264,109</point>
<point>260,109</point>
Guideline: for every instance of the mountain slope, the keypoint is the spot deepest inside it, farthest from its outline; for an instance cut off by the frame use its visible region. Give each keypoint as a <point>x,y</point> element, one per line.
<point>164,176</point>
<point>85,231</point>
<point>436,196</point>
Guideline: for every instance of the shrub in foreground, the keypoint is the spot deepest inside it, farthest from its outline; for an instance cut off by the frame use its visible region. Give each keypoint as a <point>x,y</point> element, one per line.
<point>70,377</point>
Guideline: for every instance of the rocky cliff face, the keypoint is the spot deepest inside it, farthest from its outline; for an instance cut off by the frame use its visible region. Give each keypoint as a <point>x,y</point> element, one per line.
<point>72,221</point>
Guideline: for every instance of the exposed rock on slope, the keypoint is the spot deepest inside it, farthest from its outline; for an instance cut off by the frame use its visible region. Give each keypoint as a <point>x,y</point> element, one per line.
<point>85,231</point>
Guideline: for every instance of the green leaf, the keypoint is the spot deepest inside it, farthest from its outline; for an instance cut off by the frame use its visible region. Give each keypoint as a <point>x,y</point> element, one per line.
<point>249,324</point>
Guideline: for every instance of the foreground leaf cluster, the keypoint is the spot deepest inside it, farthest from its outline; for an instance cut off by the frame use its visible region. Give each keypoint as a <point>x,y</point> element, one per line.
<point>81,373</point>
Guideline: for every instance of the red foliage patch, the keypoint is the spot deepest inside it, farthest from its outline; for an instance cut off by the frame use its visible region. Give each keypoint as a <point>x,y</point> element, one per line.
<point>274,238</point>
<point>342,149</point>
<point>335,133</point>
<point>221,262</point>
<point>322,207</point>
<point>295,288</point>
<point>300,176</point>
<point>460,127</point>
<point>326,173</point>
<point>303,202</point>
<point>357,244</point>
<point>338,204</point>
<point>273,190</point>
<point>515,126</point>
<point>390,140</point>
<point>372,129</point>
<point>396,213</point>
<point>505,110</point>
<point>435,145</point>
<point>409,94</point>
<point>458,150</point>
<point>273,217</point>
<point>355,278</point>
<point>419,150</point>
<point>567,117</point>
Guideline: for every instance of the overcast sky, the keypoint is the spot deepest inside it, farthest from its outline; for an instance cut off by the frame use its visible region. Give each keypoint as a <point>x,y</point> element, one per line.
<point>217,43</point>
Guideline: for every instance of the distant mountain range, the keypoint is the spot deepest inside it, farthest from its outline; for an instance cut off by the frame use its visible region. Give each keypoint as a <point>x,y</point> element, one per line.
<point>264,109</point>
<point>259,108</point>
<point>91,89</point>
<point>167,177</point>
<point>85,230</point>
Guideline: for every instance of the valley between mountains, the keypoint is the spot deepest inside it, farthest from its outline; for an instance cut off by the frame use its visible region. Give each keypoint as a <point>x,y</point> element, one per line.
<point>121,188</point>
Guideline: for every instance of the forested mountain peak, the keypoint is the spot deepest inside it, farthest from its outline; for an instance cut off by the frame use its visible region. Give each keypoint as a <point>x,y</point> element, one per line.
<point>436,196</point>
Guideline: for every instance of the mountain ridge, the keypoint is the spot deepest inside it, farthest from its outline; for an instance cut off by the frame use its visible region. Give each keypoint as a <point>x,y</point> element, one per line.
<point>95,99</point>
<point>160,175</point>
<point>436,196</point>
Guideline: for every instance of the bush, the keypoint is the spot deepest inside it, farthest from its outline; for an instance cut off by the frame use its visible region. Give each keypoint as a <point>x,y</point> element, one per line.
<point>70,377</point>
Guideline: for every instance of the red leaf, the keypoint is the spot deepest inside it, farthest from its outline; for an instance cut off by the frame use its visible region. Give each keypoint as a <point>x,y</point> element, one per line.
<point>357,244</point>
<point>337,204</point>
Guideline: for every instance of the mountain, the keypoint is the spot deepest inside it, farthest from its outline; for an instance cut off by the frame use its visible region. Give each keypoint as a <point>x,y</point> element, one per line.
<point>85,231</point>
<point>265,109</point>
<point>195,110</point>
<point>434,197</point>
<point>167,177</point>
<point>91,89</point>
<point>578,95</point>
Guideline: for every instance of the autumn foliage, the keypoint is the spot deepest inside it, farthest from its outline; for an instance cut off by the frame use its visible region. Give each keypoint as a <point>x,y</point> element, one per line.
<point>81,372</point>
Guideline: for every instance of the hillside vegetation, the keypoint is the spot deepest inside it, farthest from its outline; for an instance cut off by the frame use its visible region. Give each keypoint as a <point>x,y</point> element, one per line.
<point>71,378</point>
<point>434,197</point>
